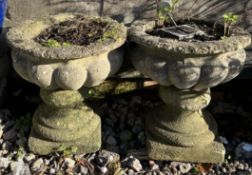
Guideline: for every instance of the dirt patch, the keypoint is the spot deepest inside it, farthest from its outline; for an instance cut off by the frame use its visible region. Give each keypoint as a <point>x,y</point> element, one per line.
<point>211,32</point>
<point>77,31</point>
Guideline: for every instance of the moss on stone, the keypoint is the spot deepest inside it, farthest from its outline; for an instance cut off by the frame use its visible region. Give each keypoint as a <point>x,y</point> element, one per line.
<point>111,88</point>
<point>54,43</point>
<point>61,98</point>
<point>179,130</point>
<point>63,119</point>
<point>111,33</point>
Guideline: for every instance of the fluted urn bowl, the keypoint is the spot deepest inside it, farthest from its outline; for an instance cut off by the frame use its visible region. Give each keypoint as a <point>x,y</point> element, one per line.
<point>60,72</point>
<point>179,130</point>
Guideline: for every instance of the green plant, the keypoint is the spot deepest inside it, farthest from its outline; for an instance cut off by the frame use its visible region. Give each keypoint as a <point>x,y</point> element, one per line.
<point>230,19</point>
<point>20,152</point>
<point>164,10</point>
<point>110,32</point>
<point>55,43</point>
<point>67,151</point>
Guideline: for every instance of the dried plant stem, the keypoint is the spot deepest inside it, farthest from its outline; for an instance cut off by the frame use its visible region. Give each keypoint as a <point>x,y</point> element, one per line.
<point>102,8</point>
<point>157,21</point>
<point>189,12</point>
<point>225,29</point>
<point>173,21</point>
<point>157,6</point>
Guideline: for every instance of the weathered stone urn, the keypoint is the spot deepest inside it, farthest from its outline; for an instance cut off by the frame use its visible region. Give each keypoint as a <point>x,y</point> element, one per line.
<point>63,118</point>
<point>179,129</point>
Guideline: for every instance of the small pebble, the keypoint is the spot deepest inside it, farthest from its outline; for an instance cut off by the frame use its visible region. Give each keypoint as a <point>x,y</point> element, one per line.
<point>104,170</point>
<point>125,136</point>
<point>47,162</point>
<point>101,161</point>
<point>137,128</point>
<point>224,170</point>
<point>223,140</point>
<point>4,162</point>
<point>240,166</point>
<point>10,134</point>
<point>29,157</point>
<point>133,163</point>
<point>243,173</point>
<point>52,171</point>
<point>37,165</point>
<point>111,157</point>
<point>243,150</point>
<point>131,172</point>
<point>153,165</point>
<point>20,168</point>
<point>83,170</point>
<point>1,131</point>
<point>69,162</point>
<point>7,145</point>
<point>111,141</point>
<point>8,125</point>
<point>184,167</point>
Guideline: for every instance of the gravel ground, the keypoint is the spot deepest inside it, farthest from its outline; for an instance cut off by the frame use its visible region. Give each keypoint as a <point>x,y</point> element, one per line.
<point>122,134</point>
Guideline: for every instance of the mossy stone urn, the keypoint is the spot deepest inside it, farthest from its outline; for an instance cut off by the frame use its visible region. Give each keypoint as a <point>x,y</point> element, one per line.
<point>179,129</point>
<point>63,118</point>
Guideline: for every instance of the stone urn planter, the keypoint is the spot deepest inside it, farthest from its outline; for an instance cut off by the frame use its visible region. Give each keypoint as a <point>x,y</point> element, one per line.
<point>60,72</point>
<point>179,129</point>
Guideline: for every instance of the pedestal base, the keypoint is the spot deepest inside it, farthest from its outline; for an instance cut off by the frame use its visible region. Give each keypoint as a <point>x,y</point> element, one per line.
<point>58,122</point>
<point>179,130</point>
<point>177,141</point>
<point>212,153</point>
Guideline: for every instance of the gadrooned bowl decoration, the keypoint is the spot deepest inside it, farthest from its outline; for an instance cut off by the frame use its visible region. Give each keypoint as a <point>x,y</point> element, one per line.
<point>60,72</point>
<point>179,129</point>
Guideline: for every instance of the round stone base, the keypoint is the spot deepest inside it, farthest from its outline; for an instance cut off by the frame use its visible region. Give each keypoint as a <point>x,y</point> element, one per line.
<point>211,153</point>
<point>86,144</point>
<point>66,122</point>
<point>191,138</point>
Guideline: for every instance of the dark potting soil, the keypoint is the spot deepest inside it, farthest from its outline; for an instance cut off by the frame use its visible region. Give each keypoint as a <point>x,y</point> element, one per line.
<point>78,31</point>
<point>211,32</point>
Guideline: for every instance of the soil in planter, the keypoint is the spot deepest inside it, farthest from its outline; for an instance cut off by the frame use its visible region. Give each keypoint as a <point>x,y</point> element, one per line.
<point>211,33</point>
<point>77,31</point>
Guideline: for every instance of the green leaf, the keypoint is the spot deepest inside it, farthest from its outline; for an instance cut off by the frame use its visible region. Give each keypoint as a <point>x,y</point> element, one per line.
<point>225,16</point>
<point>65,44</point>
<point>20,152</point>
<point>51,43</point>
<point>194,170</point>
<point>62,147</point>
<point>55,43</point>
<point>67,152</point>
<point>74,149</point>
<point>230,17</point>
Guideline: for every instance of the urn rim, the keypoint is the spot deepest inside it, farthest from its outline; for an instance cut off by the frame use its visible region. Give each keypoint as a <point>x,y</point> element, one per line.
<point>21,38</point>
<point>138,34</point>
